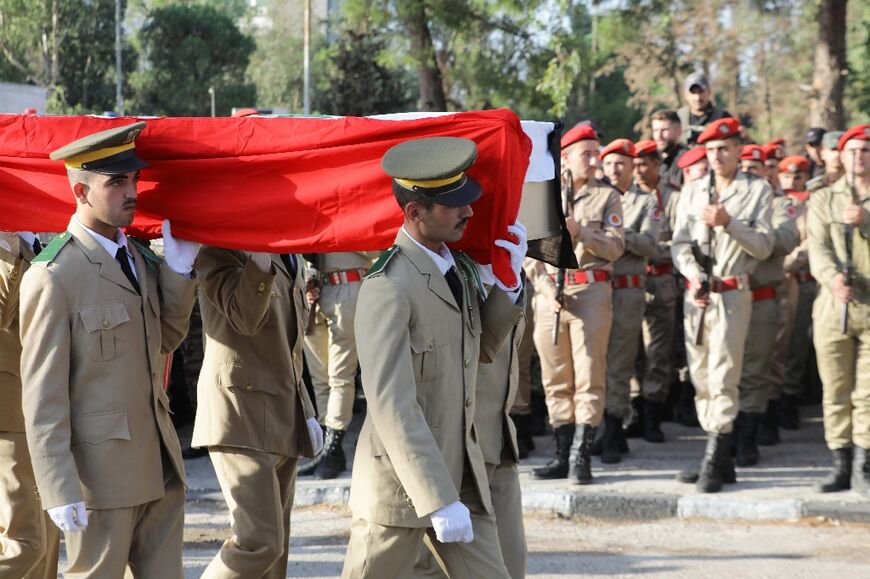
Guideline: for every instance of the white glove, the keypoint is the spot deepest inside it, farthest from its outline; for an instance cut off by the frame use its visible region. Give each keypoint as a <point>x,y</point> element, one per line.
<point>452,524</point>
<point>179,253</point>
<point>517,251</point>
<point>72,517</point>
<point>316,434</point>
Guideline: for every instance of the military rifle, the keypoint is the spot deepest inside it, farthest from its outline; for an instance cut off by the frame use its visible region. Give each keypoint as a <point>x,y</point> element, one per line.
<point>568,188</point>
<point>848,266</point>
<point>706,264</point>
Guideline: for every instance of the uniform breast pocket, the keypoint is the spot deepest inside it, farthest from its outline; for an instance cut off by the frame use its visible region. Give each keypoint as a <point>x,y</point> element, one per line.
<point>107,327</point>
<point>424,353</point>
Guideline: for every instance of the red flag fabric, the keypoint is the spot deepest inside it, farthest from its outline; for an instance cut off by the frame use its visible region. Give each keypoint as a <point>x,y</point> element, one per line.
<point>302,185</point>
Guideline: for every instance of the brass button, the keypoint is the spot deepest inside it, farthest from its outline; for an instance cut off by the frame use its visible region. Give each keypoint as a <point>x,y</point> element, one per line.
<point>431,344</point>
<point>467,362</point>
<point>105,323</point>
<point>468,402</point>
<point>248,387</point>
<point>262,287</point>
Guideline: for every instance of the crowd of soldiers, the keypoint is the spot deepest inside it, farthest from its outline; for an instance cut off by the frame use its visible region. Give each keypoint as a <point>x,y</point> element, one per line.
<point>704,262</point>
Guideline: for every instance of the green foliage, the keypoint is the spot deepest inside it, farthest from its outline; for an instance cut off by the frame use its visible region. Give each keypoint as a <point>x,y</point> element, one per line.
<point>190,48</point>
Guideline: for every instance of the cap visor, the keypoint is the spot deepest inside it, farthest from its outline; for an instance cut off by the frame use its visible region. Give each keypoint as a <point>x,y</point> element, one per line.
<point>127,165</point>
<point>465,195</point>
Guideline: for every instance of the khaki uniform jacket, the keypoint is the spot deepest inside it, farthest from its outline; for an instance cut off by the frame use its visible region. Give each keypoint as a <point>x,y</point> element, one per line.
<point>642,221</point>
<point>419,356</point>
<point>250,391</point>
<point>827,243</point>
<point>737,248</point>
<point>497,385</point>
<point>770,272</point>
<point>12,268</point>
<point>668,198</point>
<point>95,411</point>
<point>799,258</point>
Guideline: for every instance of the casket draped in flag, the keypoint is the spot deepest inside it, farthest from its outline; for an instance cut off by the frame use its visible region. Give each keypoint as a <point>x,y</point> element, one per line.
<point>301,185</point>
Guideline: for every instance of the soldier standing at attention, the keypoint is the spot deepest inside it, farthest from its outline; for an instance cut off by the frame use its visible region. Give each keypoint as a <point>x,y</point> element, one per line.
<point>752,159</point>
<point>659,317</point>
<point>254,414</point>
<point>330,350</point>
<point>99,313</point>
<point>641,222</point>
<point>573,370</point>
<point>419,473</point>
<point>29,539</point>
<point>699,110</point>
<point>723,230</point>
<point>838,228</point>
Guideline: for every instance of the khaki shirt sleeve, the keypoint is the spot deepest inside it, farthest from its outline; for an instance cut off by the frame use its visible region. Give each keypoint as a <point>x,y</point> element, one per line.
<point>785,232</point>
<point>177,296</point>
<point>681,244</point>
<point>236,287</point>
<point>756,238</point>
<point>608,243</point>
<point>383,315</point>
<point>10,282</point>
<point>45,370</point>
<point>824,264</point>
<point>645,242</point>
<point>498,315</point>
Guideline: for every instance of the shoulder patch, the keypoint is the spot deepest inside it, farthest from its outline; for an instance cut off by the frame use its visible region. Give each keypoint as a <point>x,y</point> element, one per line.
<point>382,261</point>
<point>152,260</point>
<point>791,211</point>
<point>469,271</point>
<point>50,251</point>
<point>614,220</point>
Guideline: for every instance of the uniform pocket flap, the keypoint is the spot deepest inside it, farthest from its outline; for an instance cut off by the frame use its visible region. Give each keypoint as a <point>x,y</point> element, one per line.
<point>97,428</point>
<point>238,377</point>
<point>422,342</point>
<point>104,316</point>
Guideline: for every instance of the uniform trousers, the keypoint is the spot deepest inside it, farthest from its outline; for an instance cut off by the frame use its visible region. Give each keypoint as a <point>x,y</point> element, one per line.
<point>801,341</point>
<point>844,366</point>
<point>331,354</point>
<point>524,359</point>
<point>573,371</point>
<point>148,537</point>
<point>622,348</point>
<point>659,322</point>
<point>717,364</point>
<point>507,504</point>
<point>756,380</point>
<point>29,540</point>
<point>258,488</point>
<point>378,551</point>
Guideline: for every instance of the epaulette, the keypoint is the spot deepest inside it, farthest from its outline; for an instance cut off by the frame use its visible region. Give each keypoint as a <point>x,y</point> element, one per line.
<point>469,272</point>
<point>50,251</point>
<point>152,260</point>
<point>382,261</point>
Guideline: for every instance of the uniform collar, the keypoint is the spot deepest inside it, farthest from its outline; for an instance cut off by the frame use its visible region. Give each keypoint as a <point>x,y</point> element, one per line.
<point>109,245</point>
<point>443,259</point>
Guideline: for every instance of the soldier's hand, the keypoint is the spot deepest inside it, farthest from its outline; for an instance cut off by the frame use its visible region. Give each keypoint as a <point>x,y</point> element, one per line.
<point>315,432</point>
<point>700,297</point>
<point>853,214</point>
<point>841,291</point>
<point>178,253</point>
<point>72,517</point>
<point>452,524</point>
<point>312,292</point>
<point>263,261</point>
<point>716,216</point>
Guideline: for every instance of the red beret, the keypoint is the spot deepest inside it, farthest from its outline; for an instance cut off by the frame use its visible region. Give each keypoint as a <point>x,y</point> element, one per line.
<point>645,147</point>
<point>621,146</point>
<point>771,151</point>
<point>794,164</point>
<point>861,132</point>
<point>753,153</point>
<point>247,112</point>
<point>780,142</point>
<point>720,129</point>
<point>691,157</point>
<point>579,133</point>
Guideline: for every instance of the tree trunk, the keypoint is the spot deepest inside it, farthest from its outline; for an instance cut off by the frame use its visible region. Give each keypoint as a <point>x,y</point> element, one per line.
<point>432,97</point>
<point>829,66</point>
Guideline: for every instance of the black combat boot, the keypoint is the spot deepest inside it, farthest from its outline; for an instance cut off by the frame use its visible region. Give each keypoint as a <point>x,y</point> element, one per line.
<point>710,478</point>
<point>332,462</point>
<point>861,471</point>
<point>538,417</point>
<point>726,467</point>
<point>840,477</point>
<point>525,442</point>
<point>768,432</point>
<point>610,441</point>
<point>652,421</point>
<point>686,413</point>
<point>789,415</point>
<point>635,426</point>
<point>558,467</point>
<point>308,468</point>
<point>746,436</point>
<point>580,472</point>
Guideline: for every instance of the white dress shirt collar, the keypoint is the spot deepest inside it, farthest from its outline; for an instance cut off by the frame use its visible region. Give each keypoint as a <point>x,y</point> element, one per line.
<point>443,259</point>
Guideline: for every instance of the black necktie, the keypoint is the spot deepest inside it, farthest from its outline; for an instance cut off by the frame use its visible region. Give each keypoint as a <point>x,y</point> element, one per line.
<point>455,285</point>
<point>37,247</point>
<point>290,263</point>
<point>124,262</point>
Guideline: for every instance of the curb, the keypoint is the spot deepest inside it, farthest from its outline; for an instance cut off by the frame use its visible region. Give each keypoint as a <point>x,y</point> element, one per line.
<point>623,507</point>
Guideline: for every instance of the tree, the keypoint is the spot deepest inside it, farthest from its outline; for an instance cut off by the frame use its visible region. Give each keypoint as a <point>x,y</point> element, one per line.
<point>189,48</point>
<point>829,71</point>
